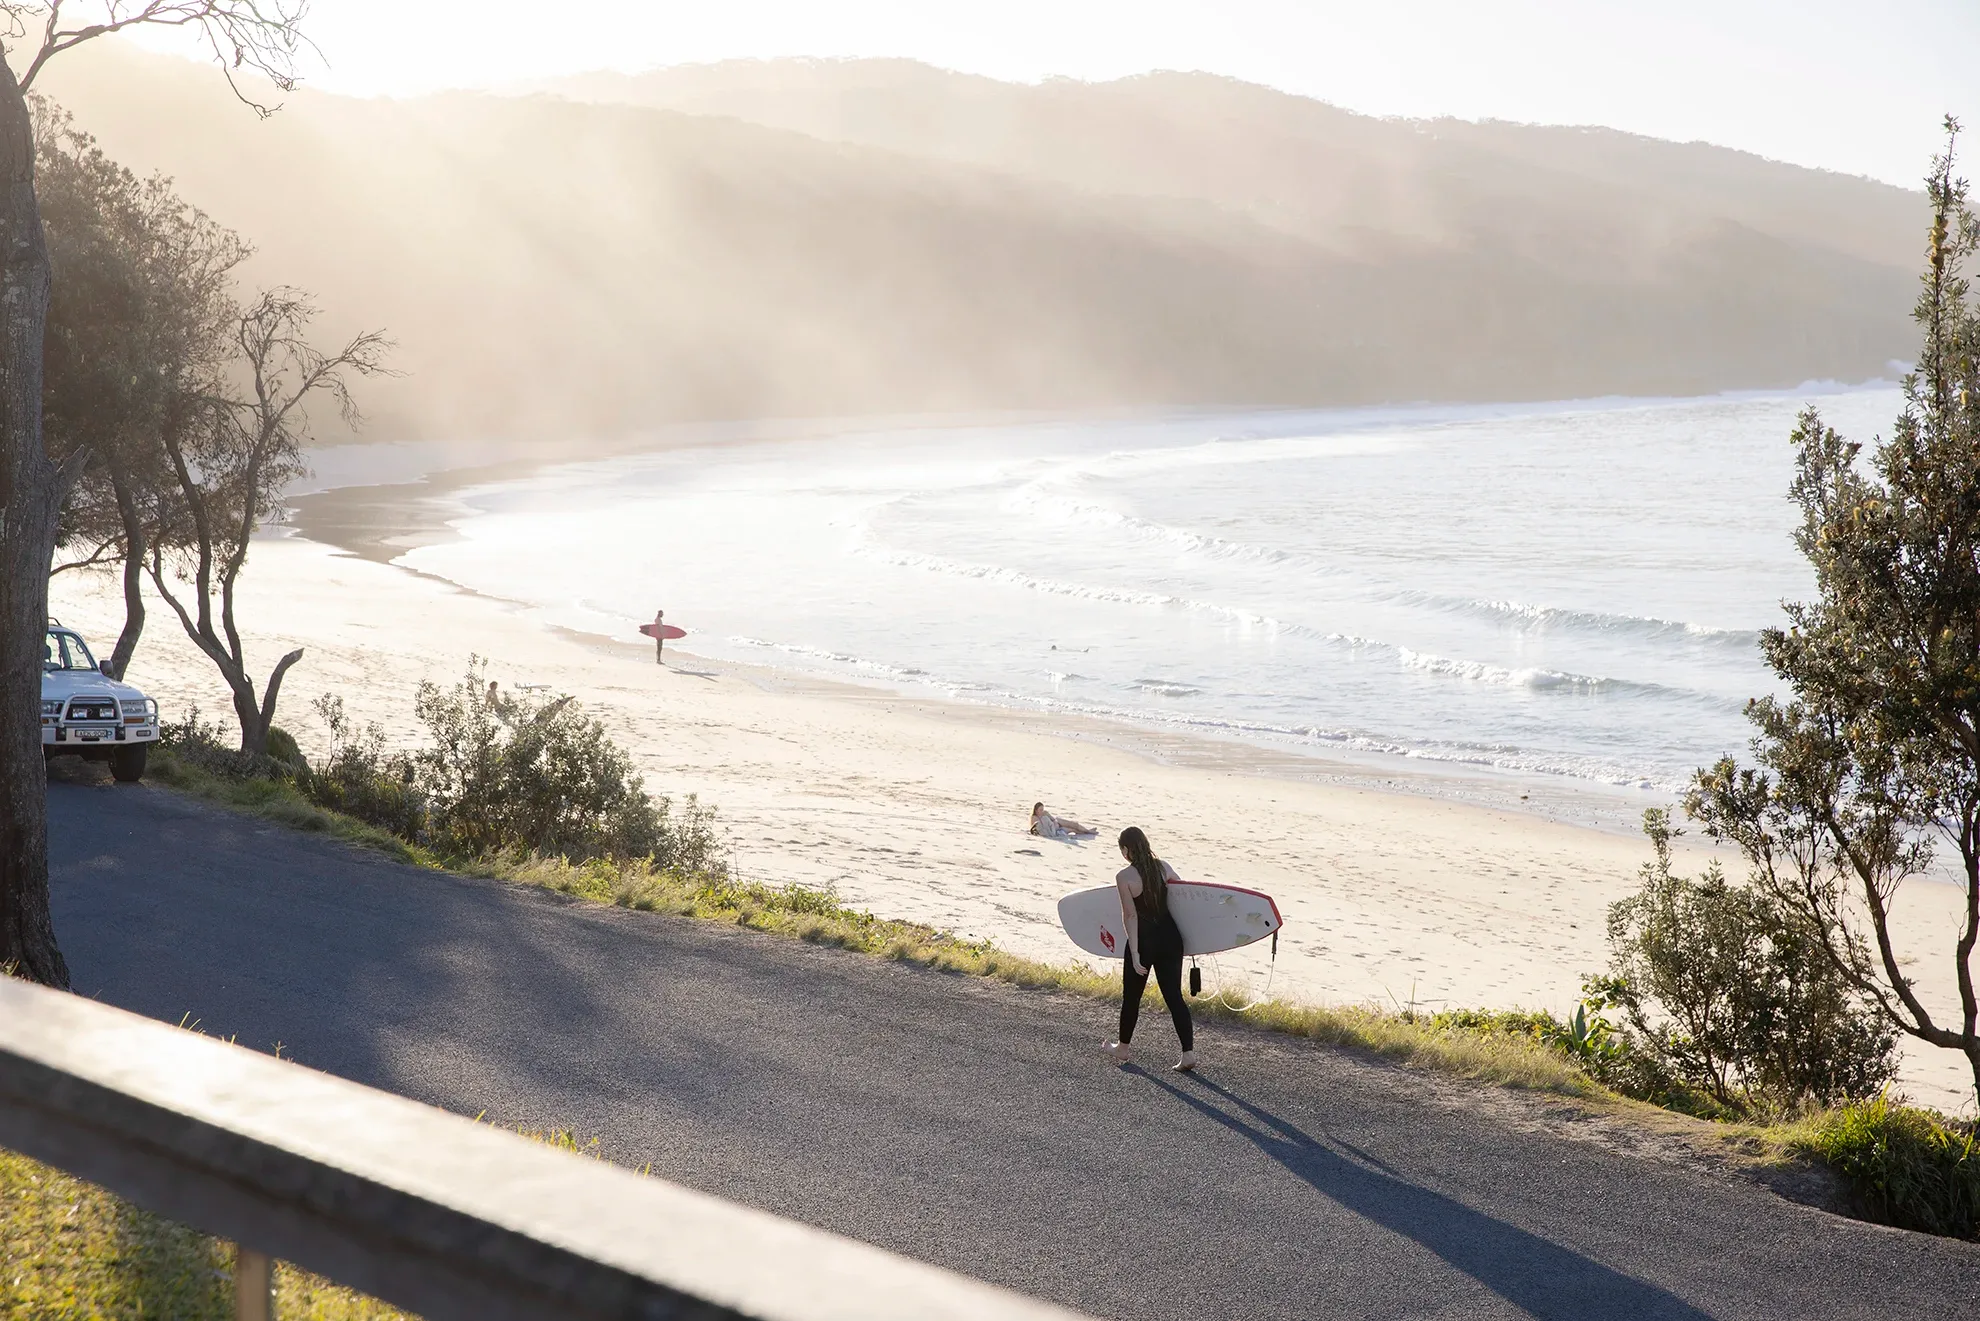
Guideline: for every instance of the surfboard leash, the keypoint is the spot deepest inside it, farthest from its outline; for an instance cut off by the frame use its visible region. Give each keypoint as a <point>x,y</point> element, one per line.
<point>1271,970</point>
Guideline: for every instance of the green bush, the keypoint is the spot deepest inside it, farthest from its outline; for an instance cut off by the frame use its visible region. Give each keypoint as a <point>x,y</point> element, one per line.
<point>361,779</point>
<point>1909,1167</point>
<point>281,745</point>
<point>1730,993</point>
<point>536,774</point>
<point>506,777</point>
<point>205,745</point>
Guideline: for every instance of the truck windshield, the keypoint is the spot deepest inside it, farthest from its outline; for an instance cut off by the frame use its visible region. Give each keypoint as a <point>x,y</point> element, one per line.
<point>65,651</point>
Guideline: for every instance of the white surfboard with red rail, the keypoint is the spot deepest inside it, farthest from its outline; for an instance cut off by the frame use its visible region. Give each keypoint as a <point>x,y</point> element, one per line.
<point>1212,918</point>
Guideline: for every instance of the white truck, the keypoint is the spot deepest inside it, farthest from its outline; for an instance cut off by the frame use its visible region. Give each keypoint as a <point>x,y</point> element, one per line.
<point>86,713</point>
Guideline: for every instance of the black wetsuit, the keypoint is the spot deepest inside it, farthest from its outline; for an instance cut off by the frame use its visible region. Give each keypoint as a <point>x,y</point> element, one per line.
<point>1162,951</point>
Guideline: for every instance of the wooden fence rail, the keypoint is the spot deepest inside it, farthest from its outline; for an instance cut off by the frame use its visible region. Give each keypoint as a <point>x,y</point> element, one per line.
<point>421,1208</point>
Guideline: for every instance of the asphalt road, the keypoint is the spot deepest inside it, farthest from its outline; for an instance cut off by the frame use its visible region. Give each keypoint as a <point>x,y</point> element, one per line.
<point>964,1123</point>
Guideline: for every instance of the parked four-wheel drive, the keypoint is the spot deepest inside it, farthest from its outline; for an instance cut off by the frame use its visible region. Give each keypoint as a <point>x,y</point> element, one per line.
<point>86,713</point>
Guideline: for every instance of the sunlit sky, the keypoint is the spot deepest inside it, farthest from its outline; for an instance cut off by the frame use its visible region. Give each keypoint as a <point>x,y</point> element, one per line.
<point>1852,85</point>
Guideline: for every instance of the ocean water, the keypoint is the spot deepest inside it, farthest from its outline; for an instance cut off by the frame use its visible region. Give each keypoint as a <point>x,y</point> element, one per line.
<point>1568,591</point>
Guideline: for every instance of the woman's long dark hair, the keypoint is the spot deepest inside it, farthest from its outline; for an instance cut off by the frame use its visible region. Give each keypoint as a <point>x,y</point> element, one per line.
<point>1154,887</point>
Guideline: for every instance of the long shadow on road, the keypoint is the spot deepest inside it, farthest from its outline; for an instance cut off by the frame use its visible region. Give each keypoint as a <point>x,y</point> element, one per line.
<point>1546,1280</point>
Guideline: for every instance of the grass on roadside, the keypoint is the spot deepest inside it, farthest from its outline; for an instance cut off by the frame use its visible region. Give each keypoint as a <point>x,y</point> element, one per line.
<point>272,800</point>
<point>816,916</point>
<point>1505,1057</point>
<point>1910,1167</point>
<point>68,1249</point>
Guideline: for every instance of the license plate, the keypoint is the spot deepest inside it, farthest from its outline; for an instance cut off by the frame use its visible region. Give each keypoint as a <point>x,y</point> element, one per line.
<point>90,735</point>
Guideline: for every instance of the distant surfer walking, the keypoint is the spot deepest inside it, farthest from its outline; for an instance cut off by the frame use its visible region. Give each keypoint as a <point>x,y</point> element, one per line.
<point>1153,940</point>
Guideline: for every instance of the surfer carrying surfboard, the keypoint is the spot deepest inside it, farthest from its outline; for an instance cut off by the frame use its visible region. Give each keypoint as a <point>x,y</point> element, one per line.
<point>1153,940</point>
<point>660,630</point>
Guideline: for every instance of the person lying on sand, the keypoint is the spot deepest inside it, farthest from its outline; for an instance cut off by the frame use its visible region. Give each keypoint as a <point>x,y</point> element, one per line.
<point>1056,827</point>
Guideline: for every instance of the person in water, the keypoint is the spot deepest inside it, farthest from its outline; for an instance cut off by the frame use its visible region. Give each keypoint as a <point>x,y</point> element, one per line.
<point>1056,827</point>
<point>1153,941</point>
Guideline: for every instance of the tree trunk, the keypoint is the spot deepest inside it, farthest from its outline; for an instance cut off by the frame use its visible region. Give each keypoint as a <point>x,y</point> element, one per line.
<point>134,552</point>
<point>255,717</point>
<point>31,493</point>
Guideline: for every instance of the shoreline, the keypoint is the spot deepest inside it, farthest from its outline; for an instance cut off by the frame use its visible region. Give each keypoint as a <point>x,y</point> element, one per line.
<point>382,522</point>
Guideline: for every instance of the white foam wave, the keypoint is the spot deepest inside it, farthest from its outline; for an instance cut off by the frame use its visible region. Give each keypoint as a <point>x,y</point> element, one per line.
<point>1166,688</point>
<point>1545,618</point>
<point>835,657</point>
<point>864,544</point>
<point>1534,678</point>
<point>1457,754</point>
<point>1480,672</point>
<point>1034,497</point>
<point>1538,679</point>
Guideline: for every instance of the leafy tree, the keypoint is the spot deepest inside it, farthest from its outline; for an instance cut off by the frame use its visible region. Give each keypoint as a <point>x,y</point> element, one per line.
<point>262,36</point>
<point>231,454</point>
<point>1871,768</point>
<point>138,328</point>
<point>1728,988</point>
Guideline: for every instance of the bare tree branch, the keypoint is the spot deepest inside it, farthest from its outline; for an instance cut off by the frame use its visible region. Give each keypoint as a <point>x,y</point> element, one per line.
<point>231,463</point>
<point>261,37</point>
<point>105,553</point>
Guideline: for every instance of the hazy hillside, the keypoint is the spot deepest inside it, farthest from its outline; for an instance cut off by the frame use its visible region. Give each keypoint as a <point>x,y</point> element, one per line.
<point>1294,162</point>
<point>551,266</point>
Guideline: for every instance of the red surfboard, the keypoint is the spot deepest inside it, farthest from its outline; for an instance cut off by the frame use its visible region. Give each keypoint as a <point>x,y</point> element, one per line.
<point>666,632</point>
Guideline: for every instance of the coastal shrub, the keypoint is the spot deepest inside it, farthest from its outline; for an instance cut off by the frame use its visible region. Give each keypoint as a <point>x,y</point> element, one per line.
<point>360,778</point>
<point>1909,1167</point>
<point>506,777</point>
<point>282,747</point>
<point>1729,991</point>
<point>205,745</point>
<point>1601,1049</point>
<point>509,772</point>
<point>1588,1039</point>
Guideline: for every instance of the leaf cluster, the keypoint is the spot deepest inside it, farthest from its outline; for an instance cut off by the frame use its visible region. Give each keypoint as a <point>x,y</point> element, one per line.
<point>140,324</point>
<point>205,745</point>
<point>508,771</point>
<point>1729,990</point>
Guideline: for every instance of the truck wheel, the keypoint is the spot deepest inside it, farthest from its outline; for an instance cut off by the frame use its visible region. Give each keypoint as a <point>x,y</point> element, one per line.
<point>127,764</point>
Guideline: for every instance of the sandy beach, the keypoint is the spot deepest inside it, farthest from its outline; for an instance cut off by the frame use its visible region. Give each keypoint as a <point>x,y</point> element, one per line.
<point>918,809</point>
